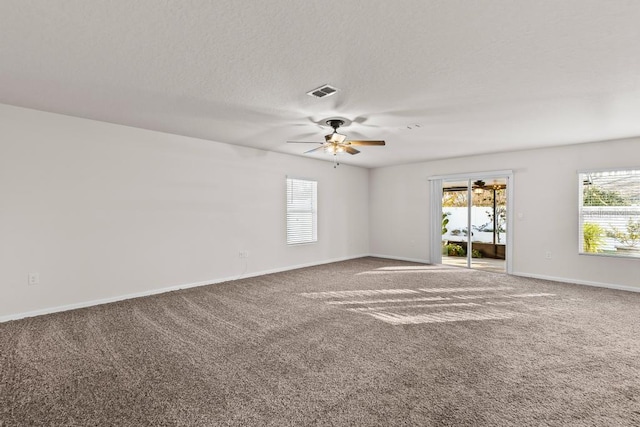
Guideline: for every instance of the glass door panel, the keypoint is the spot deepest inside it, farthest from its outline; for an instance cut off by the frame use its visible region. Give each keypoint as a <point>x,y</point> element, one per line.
<point>488,224</point>
<point>455,222</point>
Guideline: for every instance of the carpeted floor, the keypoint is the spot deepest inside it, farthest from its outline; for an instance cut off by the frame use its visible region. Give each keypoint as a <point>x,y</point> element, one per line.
<point>367,342</point>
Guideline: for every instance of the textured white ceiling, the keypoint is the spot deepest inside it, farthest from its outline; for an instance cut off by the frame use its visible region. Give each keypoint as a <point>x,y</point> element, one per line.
<point>477,76</point>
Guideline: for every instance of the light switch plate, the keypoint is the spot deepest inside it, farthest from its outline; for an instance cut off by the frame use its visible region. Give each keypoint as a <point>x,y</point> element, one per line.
<point>33,279</point>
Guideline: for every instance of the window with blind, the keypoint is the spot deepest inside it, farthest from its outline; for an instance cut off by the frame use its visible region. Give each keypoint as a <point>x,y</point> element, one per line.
<point>302,211</point>
<point>610,212</point>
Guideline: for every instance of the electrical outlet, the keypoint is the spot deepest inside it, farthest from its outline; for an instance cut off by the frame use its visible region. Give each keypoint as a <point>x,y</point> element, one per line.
<point>33,279</point>
<point>243,254</point>
<point>547,255</point>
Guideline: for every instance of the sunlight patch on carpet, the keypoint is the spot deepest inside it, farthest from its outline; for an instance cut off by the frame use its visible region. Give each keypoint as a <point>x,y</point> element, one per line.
<point>406,268</point>
<point>362,293</point>
<point>469,289</point>
<point>384,301</point>
<point>439,305</point>
<point>442,317</point>
<point>423,270</point>
<point>474,296</point>
<point>411,306</point>
<point>531,295</point>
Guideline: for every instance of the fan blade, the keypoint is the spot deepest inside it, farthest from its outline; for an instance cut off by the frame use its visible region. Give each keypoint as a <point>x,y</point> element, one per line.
<point>366,142</point>
<point>304,142</point>
<point>350,150</point>
<point>322,147</point>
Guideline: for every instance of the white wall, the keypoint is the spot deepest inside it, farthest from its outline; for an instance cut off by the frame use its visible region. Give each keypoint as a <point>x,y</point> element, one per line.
<point>101,211</point>
<point>399,209</point>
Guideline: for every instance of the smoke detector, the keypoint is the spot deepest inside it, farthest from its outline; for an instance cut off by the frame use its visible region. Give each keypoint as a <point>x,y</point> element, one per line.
<point>322,91</point>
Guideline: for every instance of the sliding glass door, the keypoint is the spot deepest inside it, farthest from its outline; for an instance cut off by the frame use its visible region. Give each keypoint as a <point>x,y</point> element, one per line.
<point>474,218</point>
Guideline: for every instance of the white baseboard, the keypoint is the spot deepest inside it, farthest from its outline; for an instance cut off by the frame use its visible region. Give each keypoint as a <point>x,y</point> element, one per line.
<point>421,261</point>
<point>83,304</point>
<point>107,300</point>
<point>580,282</point>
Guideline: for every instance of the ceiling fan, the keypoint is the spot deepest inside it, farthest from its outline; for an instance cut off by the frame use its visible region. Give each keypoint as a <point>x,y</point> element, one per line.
<point>337,143</point>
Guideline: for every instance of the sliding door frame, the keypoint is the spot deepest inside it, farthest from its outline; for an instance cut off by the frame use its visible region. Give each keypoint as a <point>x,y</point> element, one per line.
<point>435,199</point>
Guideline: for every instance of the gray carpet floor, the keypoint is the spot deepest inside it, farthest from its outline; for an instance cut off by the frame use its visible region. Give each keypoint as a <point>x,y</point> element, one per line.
<point>367,342</point>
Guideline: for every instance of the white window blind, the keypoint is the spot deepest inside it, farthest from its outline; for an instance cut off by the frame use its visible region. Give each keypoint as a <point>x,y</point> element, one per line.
<point>610,212</point>
<point>302,212</point>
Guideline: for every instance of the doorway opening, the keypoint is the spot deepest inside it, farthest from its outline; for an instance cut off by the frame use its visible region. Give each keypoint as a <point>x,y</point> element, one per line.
<point>472,221</point>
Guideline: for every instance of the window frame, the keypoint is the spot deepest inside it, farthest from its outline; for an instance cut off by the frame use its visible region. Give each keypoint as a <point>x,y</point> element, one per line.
<point>631,211</point>
<point>313,210</point>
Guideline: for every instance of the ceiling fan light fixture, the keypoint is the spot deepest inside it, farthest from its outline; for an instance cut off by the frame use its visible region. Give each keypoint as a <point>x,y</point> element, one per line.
<point>478,186</point>
<point>336,138</point>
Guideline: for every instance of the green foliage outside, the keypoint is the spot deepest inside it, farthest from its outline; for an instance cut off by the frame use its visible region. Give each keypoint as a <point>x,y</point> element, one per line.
<point>631,237</point>
<point>455,250</point>
<point>445,221</point>
<point>593,237</point>
<point>598,196</point>
<point>452,199</point>
<point>476,253</point>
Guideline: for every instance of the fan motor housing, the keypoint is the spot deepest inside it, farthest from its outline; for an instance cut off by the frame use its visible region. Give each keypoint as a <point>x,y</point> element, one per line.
<point>335,123</point>
<point>344,122</point>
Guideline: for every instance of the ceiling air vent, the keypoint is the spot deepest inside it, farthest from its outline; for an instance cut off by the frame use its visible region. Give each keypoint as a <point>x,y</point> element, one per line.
<point>322,91</point>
